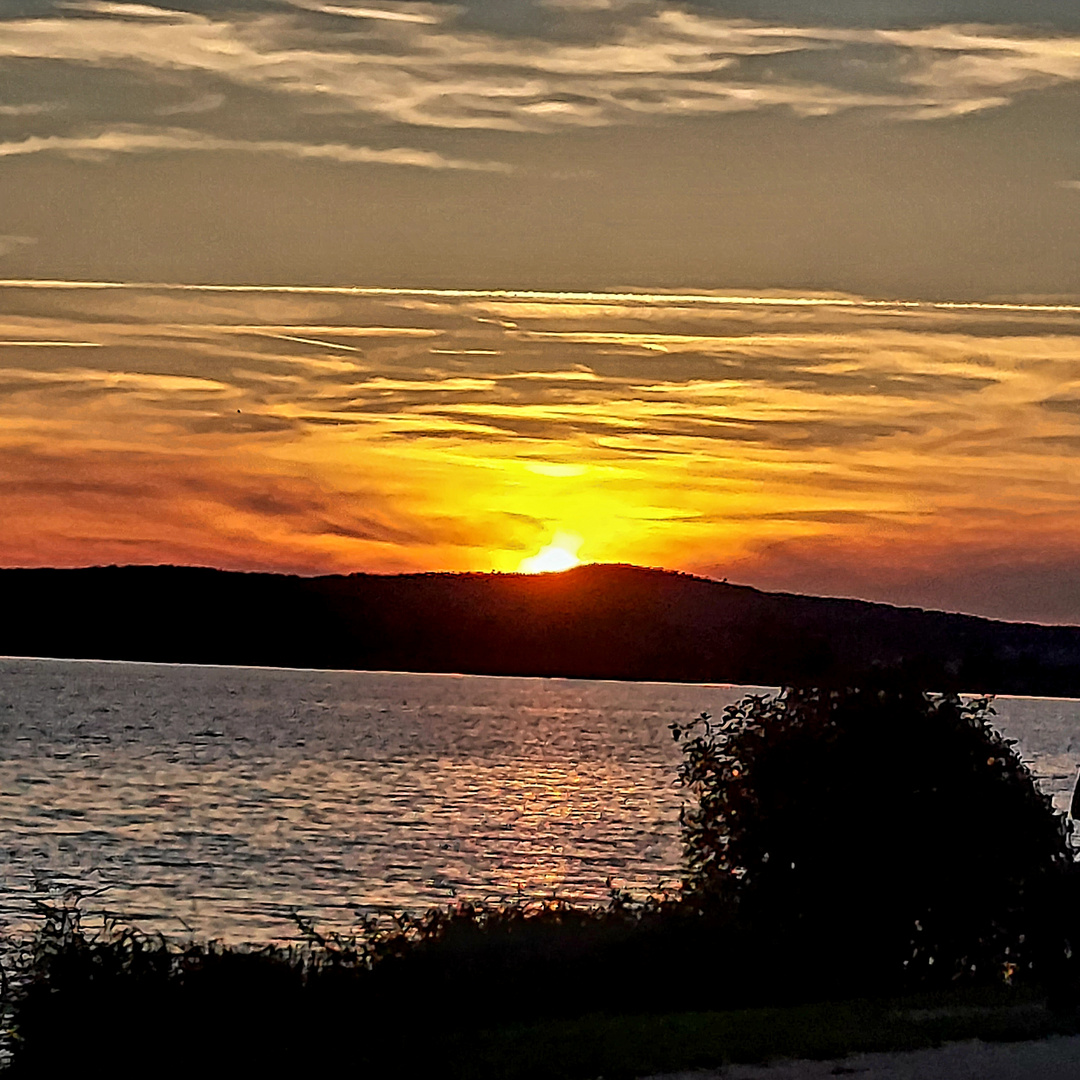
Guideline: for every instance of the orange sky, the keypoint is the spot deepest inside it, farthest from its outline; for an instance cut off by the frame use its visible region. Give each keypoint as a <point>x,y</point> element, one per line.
<point>913,453</point>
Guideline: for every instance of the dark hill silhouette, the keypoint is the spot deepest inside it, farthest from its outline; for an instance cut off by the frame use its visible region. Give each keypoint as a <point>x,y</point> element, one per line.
<point>600,621</point>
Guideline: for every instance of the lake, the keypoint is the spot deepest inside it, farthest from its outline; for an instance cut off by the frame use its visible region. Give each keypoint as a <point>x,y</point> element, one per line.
<point>216,801</point>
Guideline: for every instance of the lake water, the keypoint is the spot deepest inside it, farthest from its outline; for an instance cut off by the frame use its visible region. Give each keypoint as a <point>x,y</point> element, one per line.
<point>217,801</point>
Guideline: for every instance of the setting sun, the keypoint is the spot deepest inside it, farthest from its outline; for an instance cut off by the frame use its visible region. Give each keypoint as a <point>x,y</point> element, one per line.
<point>560,554</point>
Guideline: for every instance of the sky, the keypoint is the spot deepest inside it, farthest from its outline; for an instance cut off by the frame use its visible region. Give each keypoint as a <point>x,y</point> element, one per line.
<point>780,291</point>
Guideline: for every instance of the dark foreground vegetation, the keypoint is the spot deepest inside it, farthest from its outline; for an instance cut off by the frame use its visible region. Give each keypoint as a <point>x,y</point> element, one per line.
<point>594,622</point>
<point>864,869</point>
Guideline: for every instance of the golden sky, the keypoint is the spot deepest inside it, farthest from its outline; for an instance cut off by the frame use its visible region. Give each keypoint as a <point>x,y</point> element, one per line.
<point>911,452</point>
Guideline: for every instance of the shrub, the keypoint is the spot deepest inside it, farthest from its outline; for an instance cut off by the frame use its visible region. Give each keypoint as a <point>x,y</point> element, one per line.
<point>865,838</point>
<point>390,1001</point>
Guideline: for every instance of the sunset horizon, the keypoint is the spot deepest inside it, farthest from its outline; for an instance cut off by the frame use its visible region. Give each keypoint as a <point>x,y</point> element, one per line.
<point>804,492</point>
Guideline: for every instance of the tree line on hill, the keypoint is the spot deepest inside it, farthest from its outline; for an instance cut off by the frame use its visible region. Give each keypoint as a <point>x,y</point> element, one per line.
<point>599,621</point>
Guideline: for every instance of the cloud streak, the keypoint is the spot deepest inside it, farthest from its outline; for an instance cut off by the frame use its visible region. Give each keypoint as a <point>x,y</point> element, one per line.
<point>135,140</point>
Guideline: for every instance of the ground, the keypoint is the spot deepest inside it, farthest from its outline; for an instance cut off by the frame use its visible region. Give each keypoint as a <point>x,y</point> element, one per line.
<point>1056,1058</point>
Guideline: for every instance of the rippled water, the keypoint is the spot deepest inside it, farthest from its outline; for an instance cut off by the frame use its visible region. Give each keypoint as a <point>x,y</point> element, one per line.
<point>221,799</point>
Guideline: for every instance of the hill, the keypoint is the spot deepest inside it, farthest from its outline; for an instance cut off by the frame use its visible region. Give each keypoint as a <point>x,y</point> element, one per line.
<point>599,621</point>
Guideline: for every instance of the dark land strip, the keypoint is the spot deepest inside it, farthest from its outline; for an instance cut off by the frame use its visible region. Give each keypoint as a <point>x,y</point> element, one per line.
<point>596,622</point>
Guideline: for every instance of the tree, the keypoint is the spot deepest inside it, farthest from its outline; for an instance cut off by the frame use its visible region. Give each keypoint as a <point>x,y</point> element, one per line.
<point>874,836</point>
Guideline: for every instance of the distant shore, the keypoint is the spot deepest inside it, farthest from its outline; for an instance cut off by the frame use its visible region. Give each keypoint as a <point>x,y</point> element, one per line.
<point>608,622</point>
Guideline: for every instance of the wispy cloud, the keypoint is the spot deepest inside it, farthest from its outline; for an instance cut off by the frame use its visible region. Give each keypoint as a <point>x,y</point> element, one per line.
<point>21,343</point>
<point>562,302</point>
<point>125,11</point>
<point>407,13</point>
<point>414,64</point>
<point>137,140</point>
<point>29,109</point>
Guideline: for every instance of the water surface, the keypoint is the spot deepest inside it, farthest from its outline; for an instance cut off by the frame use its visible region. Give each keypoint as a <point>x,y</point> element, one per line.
<point>219,800</point>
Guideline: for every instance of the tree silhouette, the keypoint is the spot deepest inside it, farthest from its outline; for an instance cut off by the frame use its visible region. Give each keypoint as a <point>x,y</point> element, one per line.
<point>876,835</point>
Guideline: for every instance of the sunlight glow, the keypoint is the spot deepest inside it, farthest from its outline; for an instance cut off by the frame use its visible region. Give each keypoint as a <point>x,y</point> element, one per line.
<point>822,451</point>
<point>560,554</point>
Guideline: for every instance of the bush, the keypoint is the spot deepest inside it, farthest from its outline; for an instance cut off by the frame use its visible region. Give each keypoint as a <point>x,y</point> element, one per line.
<point>396,999</point>
<point>870,838</point>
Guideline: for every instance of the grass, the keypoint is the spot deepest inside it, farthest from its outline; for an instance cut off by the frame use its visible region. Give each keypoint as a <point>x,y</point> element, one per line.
<point>470,994</point>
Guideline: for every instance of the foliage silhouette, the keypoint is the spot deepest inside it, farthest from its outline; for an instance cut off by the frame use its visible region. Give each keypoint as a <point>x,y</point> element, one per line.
<point>396,999</point>
<point>872,837</point>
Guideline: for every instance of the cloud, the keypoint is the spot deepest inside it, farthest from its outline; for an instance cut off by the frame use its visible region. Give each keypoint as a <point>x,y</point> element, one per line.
<point>140,140</point>
<point>124,11</point>
<point>398,13</point>
<point>29,109</point>
<point>420,64</point>
<point>25,344</point>
<point>962,66</point>
<point>516,308</point>
<point>83,504</point>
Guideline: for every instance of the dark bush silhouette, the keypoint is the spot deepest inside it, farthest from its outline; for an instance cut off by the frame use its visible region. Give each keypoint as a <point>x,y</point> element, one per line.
<point>865,838</point>
<point>399,999</point>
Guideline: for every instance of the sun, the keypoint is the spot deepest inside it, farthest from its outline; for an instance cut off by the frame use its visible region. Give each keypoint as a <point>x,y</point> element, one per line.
<point>560,554</point>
